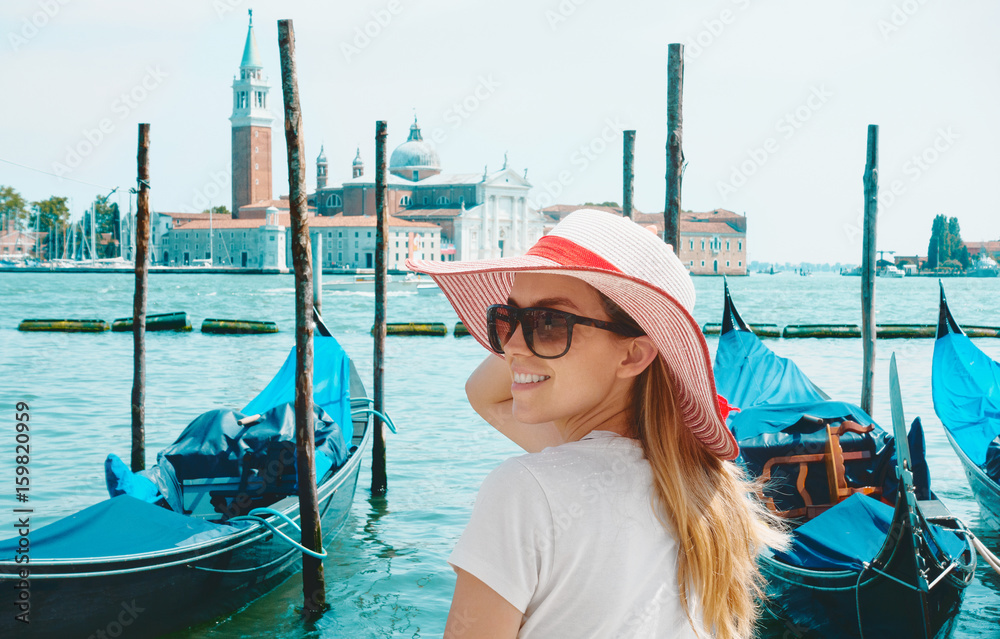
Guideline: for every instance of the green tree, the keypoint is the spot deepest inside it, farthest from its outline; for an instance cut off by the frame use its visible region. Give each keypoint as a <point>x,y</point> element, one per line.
<point>935,252</point>
<point>108,218</point>
<point>50,216</point>
<point>946,244</point>
<point>218,210</point>
<point>13,209</point>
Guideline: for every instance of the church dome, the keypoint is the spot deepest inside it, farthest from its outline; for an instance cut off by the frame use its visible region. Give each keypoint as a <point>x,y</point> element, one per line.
<point>414,155</point>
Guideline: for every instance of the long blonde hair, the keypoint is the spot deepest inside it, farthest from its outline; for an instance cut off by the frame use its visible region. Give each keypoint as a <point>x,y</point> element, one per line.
<point>707,504</point>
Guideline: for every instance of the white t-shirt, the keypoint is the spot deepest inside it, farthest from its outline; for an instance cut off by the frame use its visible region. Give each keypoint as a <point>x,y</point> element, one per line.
<point>568,536</point>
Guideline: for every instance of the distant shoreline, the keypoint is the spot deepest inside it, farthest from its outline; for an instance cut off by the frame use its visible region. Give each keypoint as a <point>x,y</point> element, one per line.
<point>180,270</point>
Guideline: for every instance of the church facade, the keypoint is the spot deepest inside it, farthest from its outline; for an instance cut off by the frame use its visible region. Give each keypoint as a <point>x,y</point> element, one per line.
<point>481,215</point>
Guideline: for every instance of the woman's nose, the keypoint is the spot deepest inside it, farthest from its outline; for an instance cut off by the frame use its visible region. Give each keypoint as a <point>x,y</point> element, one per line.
<point>517,345</point>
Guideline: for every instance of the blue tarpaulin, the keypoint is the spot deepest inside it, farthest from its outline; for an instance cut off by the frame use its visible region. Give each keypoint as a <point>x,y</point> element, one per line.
<point>747,374</point>
<point>966,389</point>
<point>331,384</point>
<point>116,527</point>
<point>850,533</point>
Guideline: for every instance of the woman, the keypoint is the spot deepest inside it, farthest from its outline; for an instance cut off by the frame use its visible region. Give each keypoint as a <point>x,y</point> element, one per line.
<point>625,519</point>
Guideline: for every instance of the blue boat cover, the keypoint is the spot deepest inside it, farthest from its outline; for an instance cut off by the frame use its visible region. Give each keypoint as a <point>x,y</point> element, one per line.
<point>748,374</point>
<point>850,533</point>
<point>965,384</point>
<point>215,445</point>
<point>116,527</point>
<point>331,383</point>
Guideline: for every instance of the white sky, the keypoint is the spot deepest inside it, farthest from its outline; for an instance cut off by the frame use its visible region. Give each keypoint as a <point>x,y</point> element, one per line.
<point>552,77</point>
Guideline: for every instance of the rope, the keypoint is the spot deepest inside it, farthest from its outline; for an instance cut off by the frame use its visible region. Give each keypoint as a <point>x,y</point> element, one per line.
<point>985,553</point>
<point>254,515</point>
<point>382,416</point>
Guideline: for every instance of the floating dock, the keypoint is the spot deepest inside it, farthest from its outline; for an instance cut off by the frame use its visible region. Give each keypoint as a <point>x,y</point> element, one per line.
<point>237,327</point>
<point>161,322</point>
<point>64,325</point>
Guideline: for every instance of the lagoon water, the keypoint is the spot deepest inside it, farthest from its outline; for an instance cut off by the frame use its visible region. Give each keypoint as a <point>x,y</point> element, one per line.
<point>387,573</point>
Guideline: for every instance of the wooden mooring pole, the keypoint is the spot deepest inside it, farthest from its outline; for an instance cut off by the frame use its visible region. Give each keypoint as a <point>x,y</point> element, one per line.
<point>317,286</point>
<point>628,172</point>
<point>868,270</point>
<point>675,147</point>
<point>139,305</point>
<point>379,481</point>
<point>313,582</point>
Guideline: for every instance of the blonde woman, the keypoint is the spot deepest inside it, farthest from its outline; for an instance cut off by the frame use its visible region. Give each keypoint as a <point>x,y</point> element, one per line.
<point>624,519</point>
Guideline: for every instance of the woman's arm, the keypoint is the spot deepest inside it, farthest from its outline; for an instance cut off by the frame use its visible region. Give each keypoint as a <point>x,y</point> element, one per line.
<point>477,611</point>
<point>488,390</point>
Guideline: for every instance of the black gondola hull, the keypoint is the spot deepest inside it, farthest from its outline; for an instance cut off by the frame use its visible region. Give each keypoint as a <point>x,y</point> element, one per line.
<point>985,490</point>
<point>150,595</point>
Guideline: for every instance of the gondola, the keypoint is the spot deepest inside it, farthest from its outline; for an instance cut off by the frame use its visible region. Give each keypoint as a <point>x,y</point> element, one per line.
<point>965,384</point>
<point>873,554</point>
<point>176,549</point>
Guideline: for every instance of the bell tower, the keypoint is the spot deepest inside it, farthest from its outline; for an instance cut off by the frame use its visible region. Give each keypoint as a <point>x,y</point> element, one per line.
<point>251,122</point>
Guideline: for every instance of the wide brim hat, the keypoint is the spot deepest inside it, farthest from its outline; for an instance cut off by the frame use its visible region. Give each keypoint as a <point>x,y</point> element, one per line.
<point>637,271</point>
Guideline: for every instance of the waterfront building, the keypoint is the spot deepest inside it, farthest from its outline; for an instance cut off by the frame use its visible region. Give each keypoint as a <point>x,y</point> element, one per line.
<point>20,244</point>
<point>981,249</point>
<point>480,215</point>
<point>251,130</point>
<point>712,243</point>
<point>348,241</point>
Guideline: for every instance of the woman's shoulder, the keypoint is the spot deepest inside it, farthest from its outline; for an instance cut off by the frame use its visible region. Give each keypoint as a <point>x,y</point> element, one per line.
<point>572,461</point>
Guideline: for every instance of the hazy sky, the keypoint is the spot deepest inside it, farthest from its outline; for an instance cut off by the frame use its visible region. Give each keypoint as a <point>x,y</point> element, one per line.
<point>777,99</point>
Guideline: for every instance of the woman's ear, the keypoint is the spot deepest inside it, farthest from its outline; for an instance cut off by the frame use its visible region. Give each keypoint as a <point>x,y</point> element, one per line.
<point>640,354</point>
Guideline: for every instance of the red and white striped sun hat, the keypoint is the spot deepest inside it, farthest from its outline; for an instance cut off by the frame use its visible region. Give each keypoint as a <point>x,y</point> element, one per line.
<point>636,270</point>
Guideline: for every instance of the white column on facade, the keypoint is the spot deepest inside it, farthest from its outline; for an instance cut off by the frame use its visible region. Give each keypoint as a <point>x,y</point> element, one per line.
<point>514,238</point>
<point>495,243</point>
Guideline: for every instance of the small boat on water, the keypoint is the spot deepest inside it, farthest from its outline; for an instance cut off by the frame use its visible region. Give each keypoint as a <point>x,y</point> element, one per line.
<point>965,384</point>
<point>211,527</point>
<point>873,553</point>
<point>366,283</point>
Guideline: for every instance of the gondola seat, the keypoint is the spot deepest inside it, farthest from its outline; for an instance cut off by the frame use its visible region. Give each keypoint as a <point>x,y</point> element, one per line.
<point>833,460</point>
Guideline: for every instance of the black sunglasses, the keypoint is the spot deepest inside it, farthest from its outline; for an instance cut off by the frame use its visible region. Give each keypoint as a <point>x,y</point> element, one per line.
<point>547,332</point>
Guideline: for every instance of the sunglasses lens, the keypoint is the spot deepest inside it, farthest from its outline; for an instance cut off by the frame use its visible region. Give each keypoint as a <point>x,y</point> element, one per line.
<point>548,335</point>
<point>502,323</point>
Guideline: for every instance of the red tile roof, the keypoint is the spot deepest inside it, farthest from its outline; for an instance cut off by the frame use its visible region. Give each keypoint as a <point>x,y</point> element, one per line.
<point>284,219</point>
<point>975,248</point>
<point>710,222</point>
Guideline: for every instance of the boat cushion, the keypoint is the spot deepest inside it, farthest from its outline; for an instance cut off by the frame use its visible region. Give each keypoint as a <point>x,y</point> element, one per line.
<point>850,533</point>
<point>116,527</point>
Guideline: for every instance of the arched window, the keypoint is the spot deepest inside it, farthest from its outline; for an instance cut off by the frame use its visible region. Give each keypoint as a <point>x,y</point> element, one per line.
<point>405,201</point>
<point>333,200</point>
<point>443,200</point>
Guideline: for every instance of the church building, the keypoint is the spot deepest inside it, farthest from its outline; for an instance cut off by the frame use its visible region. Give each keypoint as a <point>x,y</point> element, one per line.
<point>481,215</point>
<point>251,130</point>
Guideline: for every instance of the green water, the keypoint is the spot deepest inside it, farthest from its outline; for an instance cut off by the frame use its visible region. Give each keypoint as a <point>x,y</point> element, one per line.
<point>387,573</point>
